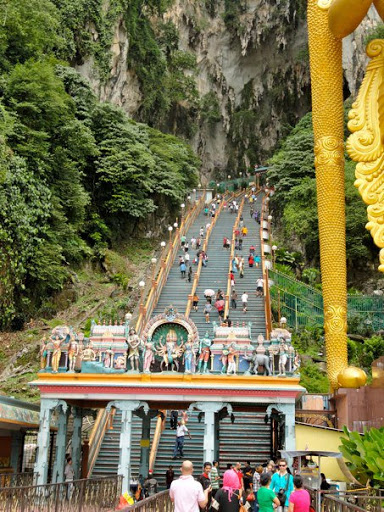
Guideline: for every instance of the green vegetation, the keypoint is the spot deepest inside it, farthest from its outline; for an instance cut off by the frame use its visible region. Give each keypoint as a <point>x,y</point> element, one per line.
<point>294,204</point>
<point>76,175</point>
<point>374,33</point>
<point>365,455</point>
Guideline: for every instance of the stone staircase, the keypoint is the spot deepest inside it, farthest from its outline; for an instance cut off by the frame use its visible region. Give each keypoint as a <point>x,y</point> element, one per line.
<point>176,289</point>
<point>248,438</point>
<point>255,311</point>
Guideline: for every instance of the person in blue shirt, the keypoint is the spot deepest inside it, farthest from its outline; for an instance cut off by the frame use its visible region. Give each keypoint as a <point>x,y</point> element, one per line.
<point>282,484</point>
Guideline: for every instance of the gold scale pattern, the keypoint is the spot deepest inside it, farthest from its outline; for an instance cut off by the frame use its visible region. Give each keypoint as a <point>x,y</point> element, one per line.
<point>327,112</point>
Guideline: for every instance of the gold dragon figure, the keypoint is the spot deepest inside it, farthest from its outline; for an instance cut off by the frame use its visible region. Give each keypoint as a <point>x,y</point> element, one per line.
<point>328,22</point>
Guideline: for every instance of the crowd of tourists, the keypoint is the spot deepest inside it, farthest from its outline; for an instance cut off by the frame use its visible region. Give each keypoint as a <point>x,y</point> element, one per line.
<point>240,488</point>
<point>216,301</point>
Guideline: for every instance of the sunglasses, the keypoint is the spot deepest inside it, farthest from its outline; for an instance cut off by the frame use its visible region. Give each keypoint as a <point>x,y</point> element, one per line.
<point>282,465</point>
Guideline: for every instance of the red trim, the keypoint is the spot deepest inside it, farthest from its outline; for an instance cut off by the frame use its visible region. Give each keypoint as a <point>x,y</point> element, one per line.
<point>115,390</point>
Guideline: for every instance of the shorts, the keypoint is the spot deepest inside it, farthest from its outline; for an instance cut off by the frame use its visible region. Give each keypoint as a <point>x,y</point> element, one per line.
<point>259,289</point>
<point>195,302</point>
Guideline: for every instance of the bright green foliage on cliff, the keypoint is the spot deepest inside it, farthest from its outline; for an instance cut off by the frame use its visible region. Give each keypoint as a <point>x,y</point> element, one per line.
<point>292,172</point>
<point>74,173</point>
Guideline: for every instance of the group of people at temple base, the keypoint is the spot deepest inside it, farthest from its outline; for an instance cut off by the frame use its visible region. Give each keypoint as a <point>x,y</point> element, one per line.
<point>260,489</point>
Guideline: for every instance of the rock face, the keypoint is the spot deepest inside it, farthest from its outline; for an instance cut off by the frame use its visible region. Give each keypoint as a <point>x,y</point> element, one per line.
<point>252,70</point>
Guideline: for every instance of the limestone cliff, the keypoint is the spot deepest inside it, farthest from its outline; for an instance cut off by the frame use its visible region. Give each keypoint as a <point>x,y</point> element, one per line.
<point>251,75</point>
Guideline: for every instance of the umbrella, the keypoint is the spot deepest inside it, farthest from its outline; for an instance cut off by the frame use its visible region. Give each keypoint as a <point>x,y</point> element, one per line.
<point>208,292</point>
<point>219,304</point>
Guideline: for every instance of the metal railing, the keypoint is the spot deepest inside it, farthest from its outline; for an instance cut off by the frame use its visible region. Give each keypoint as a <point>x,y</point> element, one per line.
<point>302,304</point>
<point>99,494</point>
<point>160,502</point>
<point>345,501</point>
<point>16,479</point>
<point>165,267</point>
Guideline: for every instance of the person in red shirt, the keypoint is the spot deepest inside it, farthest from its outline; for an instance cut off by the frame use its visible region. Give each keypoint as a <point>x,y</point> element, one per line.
<point>237,469</point>
<point>251,260</point>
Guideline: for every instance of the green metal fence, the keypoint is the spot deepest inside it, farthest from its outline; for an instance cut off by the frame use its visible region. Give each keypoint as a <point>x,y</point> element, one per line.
<point>302,305</point>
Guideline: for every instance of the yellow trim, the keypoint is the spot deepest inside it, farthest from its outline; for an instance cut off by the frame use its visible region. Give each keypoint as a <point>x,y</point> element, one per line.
<point>161,378</point>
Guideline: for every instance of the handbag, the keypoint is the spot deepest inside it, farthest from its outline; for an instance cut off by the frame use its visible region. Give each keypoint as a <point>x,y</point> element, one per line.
<point>251,496</point>
<point>282,496</point>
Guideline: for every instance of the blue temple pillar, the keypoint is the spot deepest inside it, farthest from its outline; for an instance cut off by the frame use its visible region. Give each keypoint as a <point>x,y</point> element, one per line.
<point>16,450</point>
<point>289,425</point>
<point>61,444</point>
<point>76,440</point>
<point>210,409</point>
<point>127,408</point>
<point>41,466</point>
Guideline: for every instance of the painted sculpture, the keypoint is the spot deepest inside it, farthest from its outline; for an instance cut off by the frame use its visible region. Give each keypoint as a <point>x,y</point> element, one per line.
<point>256,360</point>
<point>189,356</point>
<point>134,347</point>
<point>232,354</point>
<point>149,356</point>
<point>328,22</point>
<point>204,353</point>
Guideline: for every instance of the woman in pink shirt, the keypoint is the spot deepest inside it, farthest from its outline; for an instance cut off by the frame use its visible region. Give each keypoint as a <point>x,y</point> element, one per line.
<point>299,500</point>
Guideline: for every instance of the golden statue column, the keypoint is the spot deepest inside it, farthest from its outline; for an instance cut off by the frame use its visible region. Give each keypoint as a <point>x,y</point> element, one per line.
<point>327,117</point>
<point>328,22</point>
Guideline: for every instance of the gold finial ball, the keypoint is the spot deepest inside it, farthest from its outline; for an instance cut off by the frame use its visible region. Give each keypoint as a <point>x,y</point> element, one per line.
<point>352,377</point>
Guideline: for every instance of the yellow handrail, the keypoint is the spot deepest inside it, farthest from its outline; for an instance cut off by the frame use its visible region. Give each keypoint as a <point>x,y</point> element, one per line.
<point>97,436</point>
<point>160,425</point>
<point>161,278</point>
<point>267,301</point>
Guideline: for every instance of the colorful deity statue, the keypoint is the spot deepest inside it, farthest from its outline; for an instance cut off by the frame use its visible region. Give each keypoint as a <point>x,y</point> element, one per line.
<point>205,352</point>
<point>88,354</point>
<point>119,363</point>
<point>189,356</point>
<point>149,355</point>
<point>73,352</point>
<point>43,353</point>
<point>108,359</point>
<point>232,354</point>
<point>134,346</point>
<point>56,354</point>
<point>283,356</point>
<point>224,360</point>
<point>170,351</point>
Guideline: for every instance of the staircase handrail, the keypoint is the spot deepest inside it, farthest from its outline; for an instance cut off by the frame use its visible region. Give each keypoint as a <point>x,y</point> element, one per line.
<point>160,426</point>
<point>160,280</point>
<point>267,298</point>
<point>100,426</point>
<point>158,502</point>
<point>231,255</point>
<point>196,277</point>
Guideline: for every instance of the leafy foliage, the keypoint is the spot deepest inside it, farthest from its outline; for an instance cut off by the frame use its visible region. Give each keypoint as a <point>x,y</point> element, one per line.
<point>294,203</point>
<point>362,354</point>
<point>74,171</point>
<point>365,455</point>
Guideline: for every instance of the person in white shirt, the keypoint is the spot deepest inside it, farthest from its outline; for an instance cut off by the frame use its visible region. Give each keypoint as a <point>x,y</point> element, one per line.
<point>186,493</point>
<point>244,300</point>
<point>187,258</point>
<point>179,442</point>
<point>259,287</point>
